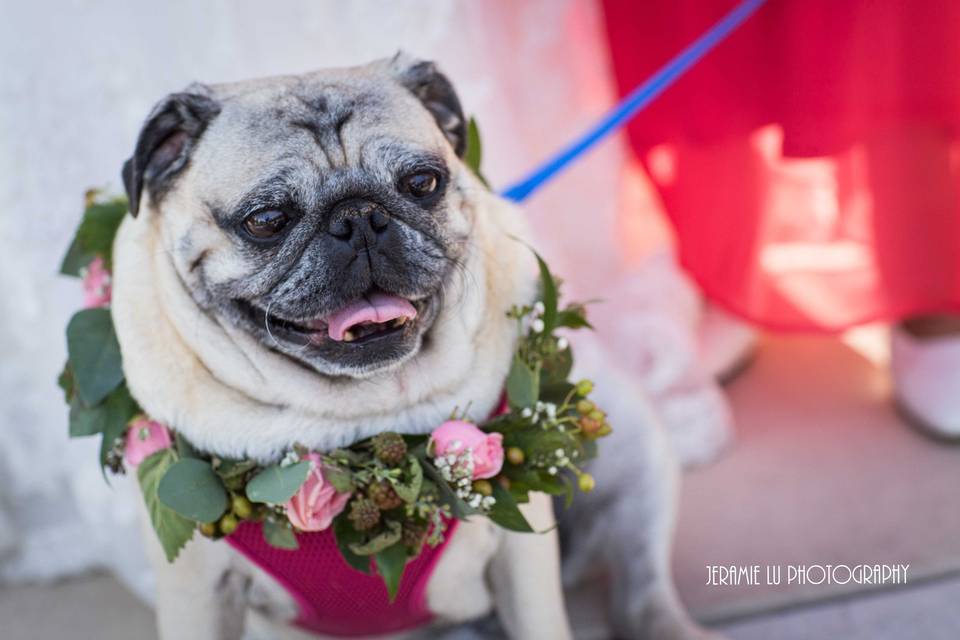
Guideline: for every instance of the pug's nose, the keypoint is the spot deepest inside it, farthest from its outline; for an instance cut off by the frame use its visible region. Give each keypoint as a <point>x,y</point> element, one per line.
<point>358,222</point>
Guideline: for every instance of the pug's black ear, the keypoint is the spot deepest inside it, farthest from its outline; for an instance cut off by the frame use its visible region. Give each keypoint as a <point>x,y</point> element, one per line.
<point>436,93</point>
<point>166,139</point>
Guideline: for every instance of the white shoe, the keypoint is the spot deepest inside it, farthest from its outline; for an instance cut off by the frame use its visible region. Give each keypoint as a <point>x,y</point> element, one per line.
<point>726,343</point>
<point>926,377</point>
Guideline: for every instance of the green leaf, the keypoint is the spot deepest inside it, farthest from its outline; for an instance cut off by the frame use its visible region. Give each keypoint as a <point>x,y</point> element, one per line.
<point>65,382</point>
<point>233,473</point>
<point>346,535</point>
<point>75,259</point>
<point>390,564</point>
<point>548,292</point>
<point>556,370</point>
<point>473,156</point>
<point>173,530</point>
<point>110,416</point>
<point>279,535</point>
<point>95,236</point>
<point>192,489</point>
<point>184,448</point>
<point>409,489</point>
<point>506,513</point>
<point>94,354</point>
<point>339,478</point>
<point>458,508</point>
<point>390,535</point>
<point>572,319</point>
<point>121,408</point>
<point>523,384</point>
<point>276,484</point>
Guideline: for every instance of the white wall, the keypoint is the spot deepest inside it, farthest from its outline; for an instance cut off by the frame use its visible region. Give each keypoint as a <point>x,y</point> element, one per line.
<point>76,79</point>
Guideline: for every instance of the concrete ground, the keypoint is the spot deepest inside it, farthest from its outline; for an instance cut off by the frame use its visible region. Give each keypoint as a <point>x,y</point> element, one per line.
<point>823,472</point>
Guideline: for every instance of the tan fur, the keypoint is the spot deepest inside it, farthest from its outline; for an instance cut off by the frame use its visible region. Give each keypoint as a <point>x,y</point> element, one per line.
<point>231,396</point>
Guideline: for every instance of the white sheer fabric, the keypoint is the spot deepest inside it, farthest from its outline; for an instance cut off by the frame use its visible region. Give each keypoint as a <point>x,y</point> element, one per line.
<point>78,79</point>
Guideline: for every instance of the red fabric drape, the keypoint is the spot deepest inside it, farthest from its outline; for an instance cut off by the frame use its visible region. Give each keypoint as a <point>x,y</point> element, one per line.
<point>809,165</point>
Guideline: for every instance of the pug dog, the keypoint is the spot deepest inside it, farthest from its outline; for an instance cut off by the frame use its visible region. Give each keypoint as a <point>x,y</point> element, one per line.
<point>308,260</point>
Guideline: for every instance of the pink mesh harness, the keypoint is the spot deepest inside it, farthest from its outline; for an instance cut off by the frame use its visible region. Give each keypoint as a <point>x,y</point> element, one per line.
<point>334,598</point>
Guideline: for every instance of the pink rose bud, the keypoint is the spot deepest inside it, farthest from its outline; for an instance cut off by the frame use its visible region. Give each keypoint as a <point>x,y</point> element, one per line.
<point>144,438</point>
<point>316,503</point>
<point>96,285</point>
<point>456,436</point>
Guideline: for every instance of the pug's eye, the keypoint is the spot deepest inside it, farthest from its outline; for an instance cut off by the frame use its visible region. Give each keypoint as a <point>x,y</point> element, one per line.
<point>420,184</point>
<point>265,224</point>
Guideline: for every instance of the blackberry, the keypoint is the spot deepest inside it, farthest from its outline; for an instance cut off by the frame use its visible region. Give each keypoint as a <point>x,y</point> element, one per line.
<point>364,514</point>
<point>384,496</point>
<point>389,448</point>
<point>413,536</point>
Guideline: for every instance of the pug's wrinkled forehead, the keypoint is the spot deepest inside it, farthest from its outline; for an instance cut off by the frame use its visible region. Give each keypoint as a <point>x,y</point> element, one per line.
<point>321,213</point>
<point>389,108</point>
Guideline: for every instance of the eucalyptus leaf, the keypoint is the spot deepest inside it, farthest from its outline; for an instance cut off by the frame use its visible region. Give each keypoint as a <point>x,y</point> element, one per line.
<point>184,447</point>
<point>75,259</point>
<point>409,488</point>
<point>173,530</point>
<point>390,564</point>
<point>65,382</point>
<point>279,535</point>
<point>111,415</point>
<point>230,469</point>
<point>120,409</point>
<point>346,535</point>
<point>276,484</point>
<point>506,513</point>
<point>192,489</point>
<point>523,384</point>
<point>94,354</point>
<point>378,542</point>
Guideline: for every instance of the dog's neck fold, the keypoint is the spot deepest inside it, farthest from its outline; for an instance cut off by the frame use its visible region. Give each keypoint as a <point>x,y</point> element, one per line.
<point>231,396</point>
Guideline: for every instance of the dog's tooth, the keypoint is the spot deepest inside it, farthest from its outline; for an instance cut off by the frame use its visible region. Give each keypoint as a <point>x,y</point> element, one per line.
<point>348,336</point>
<point>402,320</point>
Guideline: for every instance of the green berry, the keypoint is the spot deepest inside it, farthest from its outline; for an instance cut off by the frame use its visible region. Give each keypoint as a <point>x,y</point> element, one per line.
<point>515,455</point>
<point>208,529</point>
<point>586,482</point>
<point>589,426</point>
<point>228,524</point>
<point>483,487</point>
<point>584,407</point>
<point>389,448</point>
<point>364,514</point>
<point>241,507</point>
<point>584,387</point>
<point>597,415</point>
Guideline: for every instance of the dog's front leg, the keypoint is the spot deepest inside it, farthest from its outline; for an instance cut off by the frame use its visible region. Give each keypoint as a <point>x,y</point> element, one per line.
<point>199,595</point>
<point>525,573</point>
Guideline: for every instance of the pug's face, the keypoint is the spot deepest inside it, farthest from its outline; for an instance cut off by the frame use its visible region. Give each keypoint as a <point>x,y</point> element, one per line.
<point>323,214</point>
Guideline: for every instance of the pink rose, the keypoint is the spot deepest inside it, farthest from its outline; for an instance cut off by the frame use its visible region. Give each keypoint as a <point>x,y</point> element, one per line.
<point>144,438</point>
<point>316,503</point>
<point>455,436</point>
<point>96,285</point>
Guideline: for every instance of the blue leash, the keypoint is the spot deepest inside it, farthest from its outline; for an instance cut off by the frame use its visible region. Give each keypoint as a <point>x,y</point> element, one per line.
<point>636,100</point>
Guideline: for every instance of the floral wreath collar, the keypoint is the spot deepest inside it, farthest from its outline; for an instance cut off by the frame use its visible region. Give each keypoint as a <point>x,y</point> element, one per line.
<point>385,497</point>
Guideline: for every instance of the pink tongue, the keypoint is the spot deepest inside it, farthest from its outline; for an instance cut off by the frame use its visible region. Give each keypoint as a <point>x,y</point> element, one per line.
<point>377,307</point>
